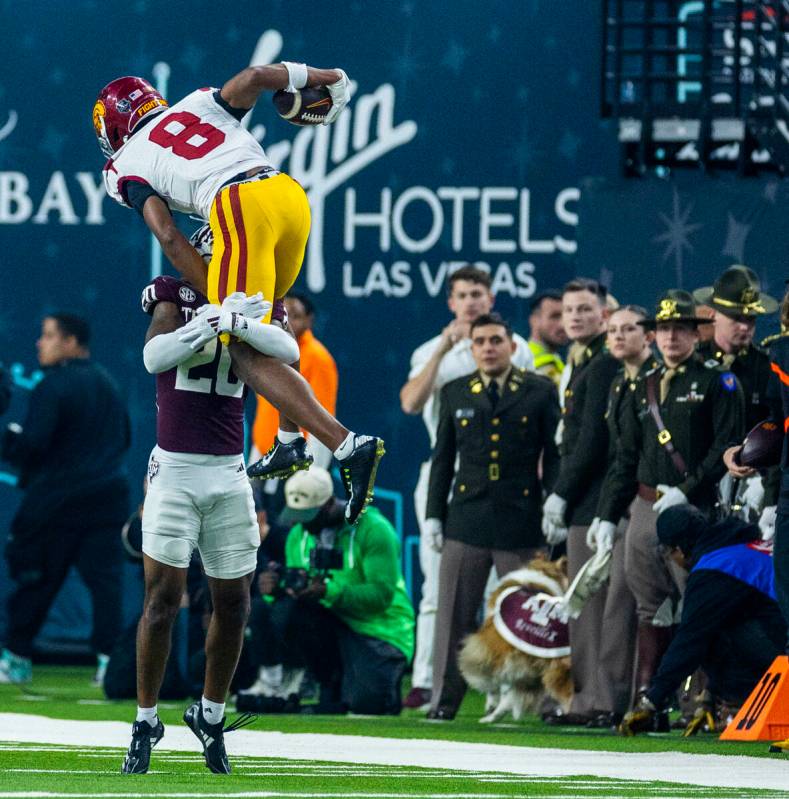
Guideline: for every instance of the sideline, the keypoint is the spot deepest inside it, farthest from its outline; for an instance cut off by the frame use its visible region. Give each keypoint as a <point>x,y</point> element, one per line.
<point>723,771</point>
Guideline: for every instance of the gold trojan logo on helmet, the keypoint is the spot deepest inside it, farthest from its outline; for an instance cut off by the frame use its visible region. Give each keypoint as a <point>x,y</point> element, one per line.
<point>99,112</point>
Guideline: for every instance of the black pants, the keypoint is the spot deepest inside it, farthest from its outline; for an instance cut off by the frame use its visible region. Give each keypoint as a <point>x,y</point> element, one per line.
<point>361,673</point>
<point>97,553</point>
<point>743,652</point>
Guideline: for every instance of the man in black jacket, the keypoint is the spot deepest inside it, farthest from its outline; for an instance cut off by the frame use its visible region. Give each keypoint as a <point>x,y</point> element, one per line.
<point>569,510</point>
<point>498,421</point>
<point>731,624</point>
<point>68,455</point>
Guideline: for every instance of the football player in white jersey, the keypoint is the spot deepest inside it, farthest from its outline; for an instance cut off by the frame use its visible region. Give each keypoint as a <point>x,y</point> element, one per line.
<point>197,158</point>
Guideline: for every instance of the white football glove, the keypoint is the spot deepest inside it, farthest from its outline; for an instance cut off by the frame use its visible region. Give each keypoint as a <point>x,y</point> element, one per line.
<point>554,533</point>
<point>591,533</point>
<point>767,522</point>
<point>670,496</point>
<point>252,306</point>
<point>434,530</point>
<point>554,509</point>
<point>606,536</point>
<point>203,241</point>
<point>202,328</point>
<point>753,496</point>
<point>340,92</point>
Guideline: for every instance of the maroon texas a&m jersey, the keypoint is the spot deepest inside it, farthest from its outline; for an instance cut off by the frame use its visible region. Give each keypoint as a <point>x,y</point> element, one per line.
<point>200,403</point>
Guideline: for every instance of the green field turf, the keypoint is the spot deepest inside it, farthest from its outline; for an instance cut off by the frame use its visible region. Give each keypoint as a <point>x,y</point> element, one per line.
<point>47,771</point>
<point>66,693</point>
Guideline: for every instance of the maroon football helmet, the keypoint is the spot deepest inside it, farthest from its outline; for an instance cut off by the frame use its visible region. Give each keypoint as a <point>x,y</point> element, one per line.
<point>120,107</point>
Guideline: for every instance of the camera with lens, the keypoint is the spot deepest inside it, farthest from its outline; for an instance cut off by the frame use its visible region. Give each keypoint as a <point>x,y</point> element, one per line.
<point>324,559</point>
<point>295,580</point>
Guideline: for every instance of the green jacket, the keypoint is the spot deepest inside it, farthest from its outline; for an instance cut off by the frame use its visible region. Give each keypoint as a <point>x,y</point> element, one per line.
<point>369,593</point>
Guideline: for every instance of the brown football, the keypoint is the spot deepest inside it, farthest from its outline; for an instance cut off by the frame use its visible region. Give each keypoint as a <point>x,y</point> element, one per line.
<point>762,446</point>
<point>307,106</point>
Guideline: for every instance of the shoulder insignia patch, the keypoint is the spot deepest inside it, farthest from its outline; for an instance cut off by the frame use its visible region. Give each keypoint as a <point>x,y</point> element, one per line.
<point>728,381</point>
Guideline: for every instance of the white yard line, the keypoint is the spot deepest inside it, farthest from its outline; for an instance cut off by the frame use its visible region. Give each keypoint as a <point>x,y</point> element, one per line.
<point>734,771</point>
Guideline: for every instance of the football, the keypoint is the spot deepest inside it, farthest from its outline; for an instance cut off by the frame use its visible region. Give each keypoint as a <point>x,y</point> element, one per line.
<point>762,446</point>
<point>307,106</point>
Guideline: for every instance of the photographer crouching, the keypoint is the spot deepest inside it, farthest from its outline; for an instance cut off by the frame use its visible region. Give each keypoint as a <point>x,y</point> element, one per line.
<point>339,605</point>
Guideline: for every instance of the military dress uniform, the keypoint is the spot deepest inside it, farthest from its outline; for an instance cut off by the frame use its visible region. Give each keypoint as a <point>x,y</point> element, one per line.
<point>497,430</point>
<point>701,407</point>
<point>737,294</point>
<point>605,615</point>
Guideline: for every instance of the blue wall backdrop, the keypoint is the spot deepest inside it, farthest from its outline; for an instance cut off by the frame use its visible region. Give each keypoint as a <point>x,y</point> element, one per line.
<point>474,135</point>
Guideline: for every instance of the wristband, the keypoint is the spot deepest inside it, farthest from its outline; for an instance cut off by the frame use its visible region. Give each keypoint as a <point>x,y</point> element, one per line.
<point>297,75</point>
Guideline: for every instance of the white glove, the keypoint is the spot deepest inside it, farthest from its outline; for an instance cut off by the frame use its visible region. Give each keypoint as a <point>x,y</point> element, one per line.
<point>434,530</point>
<point>753,496</point>
<point>203,241</point>
<point>591,534</point>
<point>253,307</point>
<point>269,339</point>
<point>554,509</point>
<point>670,496</point>
<point>554,533</point>
<point>340,92</point>
<point>606,536</point>
<point>204,327</point>
<point>767,522</point>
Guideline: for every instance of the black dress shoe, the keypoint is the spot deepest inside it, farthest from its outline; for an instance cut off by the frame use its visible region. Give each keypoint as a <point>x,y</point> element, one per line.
<point>282,460</point>
<point>558,718</point>
<point>603,721</point>
<point>441,714</point>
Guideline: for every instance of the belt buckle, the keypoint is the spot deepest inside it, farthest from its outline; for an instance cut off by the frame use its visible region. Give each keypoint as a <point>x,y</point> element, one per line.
<point>664,436</point>
<point>493,471</point>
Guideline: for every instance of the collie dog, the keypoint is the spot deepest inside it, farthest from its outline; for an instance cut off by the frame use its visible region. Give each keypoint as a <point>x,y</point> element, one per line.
<point>522,649</point>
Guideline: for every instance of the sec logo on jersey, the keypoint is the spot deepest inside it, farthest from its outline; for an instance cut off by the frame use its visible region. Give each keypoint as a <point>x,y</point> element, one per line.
<point>186,294</point>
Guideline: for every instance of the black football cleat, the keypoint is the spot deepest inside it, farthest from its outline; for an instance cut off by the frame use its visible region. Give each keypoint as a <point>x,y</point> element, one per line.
<point>282,460</point>
<point>144,738</point>
<point>358,474</point>
<point>211,736</point>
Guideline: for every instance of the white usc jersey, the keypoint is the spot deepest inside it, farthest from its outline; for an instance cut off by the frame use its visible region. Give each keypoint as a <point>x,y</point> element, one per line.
<point>185,154</point>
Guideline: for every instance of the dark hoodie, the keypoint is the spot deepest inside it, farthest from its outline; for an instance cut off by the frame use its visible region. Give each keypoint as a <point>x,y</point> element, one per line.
<point>728,586</point>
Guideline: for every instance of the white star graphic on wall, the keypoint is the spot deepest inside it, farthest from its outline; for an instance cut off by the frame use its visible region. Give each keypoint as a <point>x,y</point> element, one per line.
<point>677,234</point>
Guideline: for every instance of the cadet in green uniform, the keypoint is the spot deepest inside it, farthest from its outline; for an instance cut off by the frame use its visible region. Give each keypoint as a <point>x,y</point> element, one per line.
<point>683,416</point>
<point>569,510</point>
<point>498,422</point>
<point>630,344</point>
<point>737,300</point>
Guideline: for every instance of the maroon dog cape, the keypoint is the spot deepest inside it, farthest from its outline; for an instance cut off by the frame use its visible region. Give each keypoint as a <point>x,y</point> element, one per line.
<point>530,621</point>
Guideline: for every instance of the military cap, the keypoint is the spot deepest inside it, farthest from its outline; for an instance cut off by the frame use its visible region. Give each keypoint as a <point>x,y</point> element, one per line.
<point>737,292</point>
<point>675,305</point>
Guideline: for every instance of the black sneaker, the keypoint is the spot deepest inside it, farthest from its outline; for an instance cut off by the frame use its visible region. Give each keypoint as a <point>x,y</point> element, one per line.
<point>282,460</point>
<point>358,474</point>
<point>211,736</point>
<point>144,738</point>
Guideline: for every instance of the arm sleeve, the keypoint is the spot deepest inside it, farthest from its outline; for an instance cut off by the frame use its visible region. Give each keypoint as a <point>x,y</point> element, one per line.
<point>137,193</point>
<point>583,463</point>
<point>442,467</point>
<point>236,113</point>
<point>620,483</point>
<point>380,569</point>
<point>165,351</point>
<point>550,452</point>
<point>728,414</point>
<point>710,599</point>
